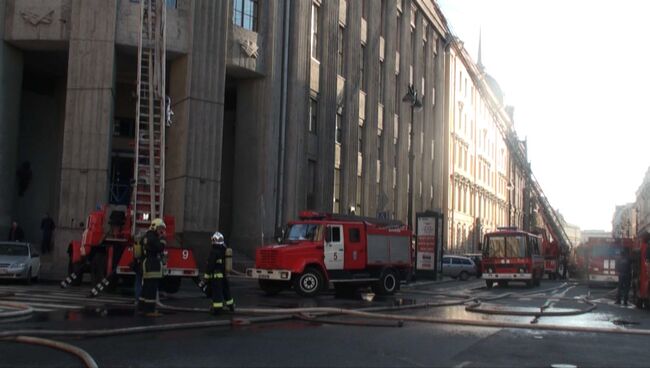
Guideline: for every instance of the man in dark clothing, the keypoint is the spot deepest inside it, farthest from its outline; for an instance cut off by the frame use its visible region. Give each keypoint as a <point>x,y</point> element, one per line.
<point>47,227</point>
<point>153,245</point>
<point>216,274</point>
<point>16,233</point>
<point>624,270</point>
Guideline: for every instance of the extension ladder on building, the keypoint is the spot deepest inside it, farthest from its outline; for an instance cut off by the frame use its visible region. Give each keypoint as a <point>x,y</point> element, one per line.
<point>148,190</point>
<point>550,216</point>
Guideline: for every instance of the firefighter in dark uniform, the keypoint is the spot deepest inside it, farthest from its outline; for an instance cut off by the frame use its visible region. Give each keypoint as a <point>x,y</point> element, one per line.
<point>153,245</point>
<point>215,273</point>
<point>624,270</point>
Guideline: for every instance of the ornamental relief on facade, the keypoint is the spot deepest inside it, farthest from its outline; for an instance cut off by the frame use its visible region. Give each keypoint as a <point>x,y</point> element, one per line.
<point>249,48</point>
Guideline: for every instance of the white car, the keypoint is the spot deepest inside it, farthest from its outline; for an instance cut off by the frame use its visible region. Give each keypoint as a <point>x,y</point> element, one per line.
<point>19,261</point>
<point>458,267</point>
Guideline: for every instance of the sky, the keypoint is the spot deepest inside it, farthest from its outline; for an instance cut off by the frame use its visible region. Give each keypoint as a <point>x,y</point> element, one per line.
<point>576,72</point>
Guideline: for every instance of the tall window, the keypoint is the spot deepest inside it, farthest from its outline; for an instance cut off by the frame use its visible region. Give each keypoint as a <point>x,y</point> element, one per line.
<point>340,61</point>
<point>361,131</point>
<point>313,115</point>
<point>245,13</point>
<point>381,82</point>
<point>382,18</point>
<point>315,28</point>
<point>171,3</point>
<point>311,184</point>
<point>380,145</point>
<point>338,135</point>
<point>398,41</point>
<point>362,74</point>
<point>337,191</point>
<point>364,8</point>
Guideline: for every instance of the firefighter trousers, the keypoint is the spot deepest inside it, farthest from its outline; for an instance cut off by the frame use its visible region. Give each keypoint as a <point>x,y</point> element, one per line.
<point>148,295</point>
<point>221,297</point>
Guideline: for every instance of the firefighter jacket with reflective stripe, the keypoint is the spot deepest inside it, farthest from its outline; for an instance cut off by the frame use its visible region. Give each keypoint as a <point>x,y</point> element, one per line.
<point>153,247</point>
<point>216,267</point>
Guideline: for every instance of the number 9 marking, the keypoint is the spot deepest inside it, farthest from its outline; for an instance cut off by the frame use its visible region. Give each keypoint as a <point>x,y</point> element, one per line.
<point>185,254</point>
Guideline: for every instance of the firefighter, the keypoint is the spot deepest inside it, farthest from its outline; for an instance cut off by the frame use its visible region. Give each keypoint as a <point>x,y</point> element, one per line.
<point>153,245</point>
<point>624,270</point>
<point>216,274</point>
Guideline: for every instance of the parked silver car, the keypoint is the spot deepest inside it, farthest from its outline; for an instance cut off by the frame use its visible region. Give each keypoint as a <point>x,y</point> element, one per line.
<point>458,267</point>
<point>19,261</point>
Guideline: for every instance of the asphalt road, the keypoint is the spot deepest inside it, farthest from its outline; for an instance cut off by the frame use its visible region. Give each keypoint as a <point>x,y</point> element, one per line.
<point>343,340</point>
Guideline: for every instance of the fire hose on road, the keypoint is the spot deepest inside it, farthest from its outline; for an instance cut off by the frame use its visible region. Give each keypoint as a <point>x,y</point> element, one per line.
<point>275,314</point>
<point>315,314</point>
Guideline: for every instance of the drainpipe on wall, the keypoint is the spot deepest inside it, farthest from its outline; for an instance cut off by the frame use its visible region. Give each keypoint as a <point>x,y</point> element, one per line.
<point>283,116</point>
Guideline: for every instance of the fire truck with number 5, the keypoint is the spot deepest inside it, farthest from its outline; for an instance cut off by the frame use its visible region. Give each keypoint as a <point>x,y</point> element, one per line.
<point>347,251</point>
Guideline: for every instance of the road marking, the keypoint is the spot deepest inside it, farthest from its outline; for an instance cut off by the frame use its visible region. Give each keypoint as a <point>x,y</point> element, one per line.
<point>463,364</point>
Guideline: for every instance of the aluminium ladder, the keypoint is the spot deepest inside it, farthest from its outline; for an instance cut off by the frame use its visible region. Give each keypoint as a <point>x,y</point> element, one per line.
<point>149,167</point>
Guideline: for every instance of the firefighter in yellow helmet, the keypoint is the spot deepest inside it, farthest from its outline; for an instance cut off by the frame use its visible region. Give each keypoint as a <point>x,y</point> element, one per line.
<point>215,273</point>
<point>153,245</point>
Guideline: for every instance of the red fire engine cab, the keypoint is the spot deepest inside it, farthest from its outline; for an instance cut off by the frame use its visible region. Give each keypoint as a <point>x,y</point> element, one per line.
<point>512,255</point>
<point>601,259</point>
<point>641,272</point>
<point>347,251</point>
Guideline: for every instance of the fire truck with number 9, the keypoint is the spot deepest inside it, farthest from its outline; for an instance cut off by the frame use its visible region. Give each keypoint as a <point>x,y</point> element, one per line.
<point>106,247</point>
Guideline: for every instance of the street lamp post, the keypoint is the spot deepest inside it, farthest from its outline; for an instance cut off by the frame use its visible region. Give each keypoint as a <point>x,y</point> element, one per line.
<point>412,98</point>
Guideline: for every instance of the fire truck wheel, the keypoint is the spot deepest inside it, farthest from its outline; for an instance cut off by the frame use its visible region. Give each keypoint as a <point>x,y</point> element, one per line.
<point>489,284</point>
<point>270,287</point>
<point>171,285</point>
<point>309,283</point>
<point>387,283</point>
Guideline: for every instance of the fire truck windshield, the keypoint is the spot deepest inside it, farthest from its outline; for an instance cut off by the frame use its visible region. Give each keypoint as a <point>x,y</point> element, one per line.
<point>605,250</point>
<point>513,246</point>
<point>304,232</point>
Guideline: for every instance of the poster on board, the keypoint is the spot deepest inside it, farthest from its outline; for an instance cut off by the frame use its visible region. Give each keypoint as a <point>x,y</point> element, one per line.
<point>428,238</point>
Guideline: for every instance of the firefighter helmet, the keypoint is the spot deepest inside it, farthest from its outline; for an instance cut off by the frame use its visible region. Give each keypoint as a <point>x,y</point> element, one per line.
<point>157,223</point>
<point>217,238</point>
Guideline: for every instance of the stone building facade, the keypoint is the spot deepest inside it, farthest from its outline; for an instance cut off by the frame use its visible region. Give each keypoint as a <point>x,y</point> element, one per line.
<point>279,106</point>
<point>624,221</point>
<point>485,185</point>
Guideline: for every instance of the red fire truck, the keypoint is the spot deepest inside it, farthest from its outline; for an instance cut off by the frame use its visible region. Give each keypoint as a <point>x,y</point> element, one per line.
<point>601,259</point>
<point>106,250</point>
<point>641,272</point>
<point>106,247</point>
<point>512,255</point>
<point>348,251</point>
<point>578,263</point>
<point>551,252</point>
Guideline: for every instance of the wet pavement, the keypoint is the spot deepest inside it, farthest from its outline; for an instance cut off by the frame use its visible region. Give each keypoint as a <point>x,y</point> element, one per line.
<point>339,340</point>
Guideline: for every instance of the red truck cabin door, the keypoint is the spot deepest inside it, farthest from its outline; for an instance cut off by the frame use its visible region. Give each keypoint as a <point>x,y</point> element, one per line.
<point>334,247</point>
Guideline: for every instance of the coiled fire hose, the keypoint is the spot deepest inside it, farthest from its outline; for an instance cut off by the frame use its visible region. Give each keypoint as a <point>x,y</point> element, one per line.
<point>87,360</point>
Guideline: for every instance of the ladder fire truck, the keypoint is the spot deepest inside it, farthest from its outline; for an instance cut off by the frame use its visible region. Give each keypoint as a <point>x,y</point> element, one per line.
<point>559,246</point>
<point>106,247</point>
